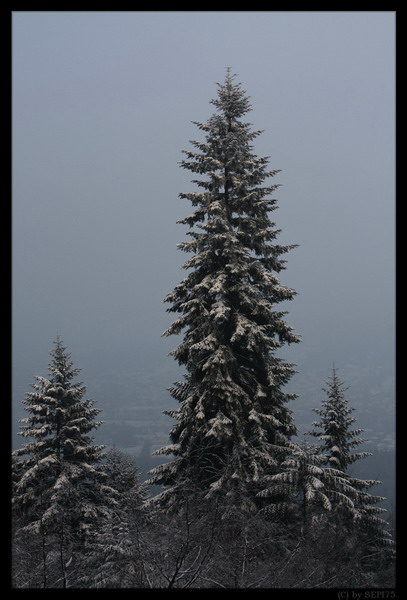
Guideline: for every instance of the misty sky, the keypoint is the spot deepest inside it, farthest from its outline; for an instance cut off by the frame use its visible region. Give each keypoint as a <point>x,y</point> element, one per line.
<point>102,108</point>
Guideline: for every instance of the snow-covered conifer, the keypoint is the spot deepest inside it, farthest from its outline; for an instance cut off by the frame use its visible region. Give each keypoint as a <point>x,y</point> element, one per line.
<point>59,493</point>
<point>334,427</point>
<point>233,417</point>
<point>348,494</point>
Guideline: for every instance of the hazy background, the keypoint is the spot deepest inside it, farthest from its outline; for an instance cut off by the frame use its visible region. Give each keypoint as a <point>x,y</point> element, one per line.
<point>102,107</point>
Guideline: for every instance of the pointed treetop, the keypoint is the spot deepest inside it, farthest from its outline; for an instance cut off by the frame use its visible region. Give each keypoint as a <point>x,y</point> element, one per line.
<point>335,426</point>
<point>232,100</point>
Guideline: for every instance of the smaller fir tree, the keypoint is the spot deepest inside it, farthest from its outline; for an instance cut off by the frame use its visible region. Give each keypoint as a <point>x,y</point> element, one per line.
<point>59,492</point>
<point>335,433</point>
<point>355,508</point>
<point>123,475</point>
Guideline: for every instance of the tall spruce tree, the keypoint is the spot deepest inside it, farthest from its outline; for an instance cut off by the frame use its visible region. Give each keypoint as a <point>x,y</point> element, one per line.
<point>232,421</point>
<point>59,493</point>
